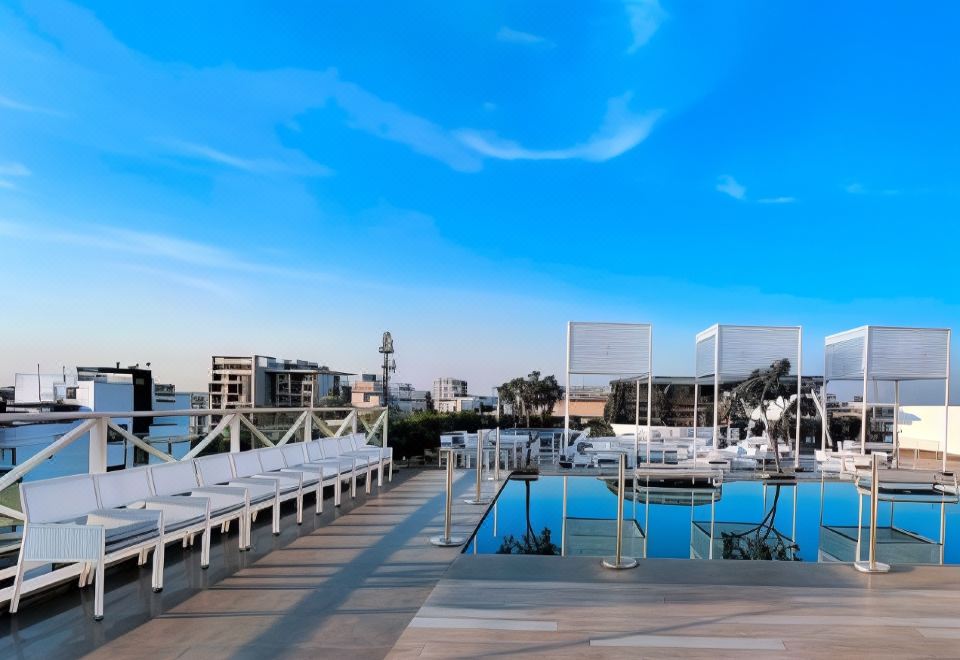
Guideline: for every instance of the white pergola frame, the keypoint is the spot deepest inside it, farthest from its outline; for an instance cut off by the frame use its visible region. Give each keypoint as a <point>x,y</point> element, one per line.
<point>887,354</point>
<point>611,349</point>
<point>737,350</point>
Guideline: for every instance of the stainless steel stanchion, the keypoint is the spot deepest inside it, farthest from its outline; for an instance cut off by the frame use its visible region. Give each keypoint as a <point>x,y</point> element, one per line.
<point>446,540</point>
<point>496,458</point>
<point>872,565</point>
<point>619,561</point>
<point>479,499</point>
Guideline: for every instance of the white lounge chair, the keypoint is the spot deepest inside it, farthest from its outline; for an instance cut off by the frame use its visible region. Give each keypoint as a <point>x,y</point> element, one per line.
<point>329,449</point>
<point>183,517</point>
<point>366,459</point>
<point>217,470</point>
<point>344,468</point>
<point>65,524</point>
<point>180,479</point>
<point>247,464</point>
<point>358,443</point>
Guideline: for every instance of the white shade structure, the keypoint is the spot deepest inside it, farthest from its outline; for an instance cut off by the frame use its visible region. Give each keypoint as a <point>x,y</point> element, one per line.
<point>624,350</point>
<point>732,352</point>
<point>882,353</point>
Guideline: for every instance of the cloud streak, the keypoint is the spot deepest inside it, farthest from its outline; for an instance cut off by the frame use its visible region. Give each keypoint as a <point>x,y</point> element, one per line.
<point>252,165</point>
<point>645,17</point>
<point>12,104</point>
<point>146,244</point>
<point>777,200</point>
<point>621,131</point>
<point>860,189</point>
<point>727,185</point>
<point>14,169</point>
<point>509,35</point>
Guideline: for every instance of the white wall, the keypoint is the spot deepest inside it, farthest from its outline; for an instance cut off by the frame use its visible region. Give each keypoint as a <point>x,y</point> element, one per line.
<point>922,427</point>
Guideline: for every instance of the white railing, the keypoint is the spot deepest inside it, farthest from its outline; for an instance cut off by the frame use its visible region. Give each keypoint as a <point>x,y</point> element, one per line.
<point>99,425</point>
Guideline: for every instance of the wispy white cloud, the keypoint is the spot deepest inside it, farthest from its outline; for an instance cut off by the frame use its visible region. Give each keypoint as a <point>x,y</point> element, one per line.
<point>509,35</point>
<point>128,242</point>
<point>7,185</point>
<point>13,104</point>
<point>777,200</point>
<point>729,186</point>
<point>162,276</point>
<point>371,114</point>
<point>859,189</point>
<point>14,169</point>
<point>621,131</point>
<point>252,165</point>
<point>645,17</point>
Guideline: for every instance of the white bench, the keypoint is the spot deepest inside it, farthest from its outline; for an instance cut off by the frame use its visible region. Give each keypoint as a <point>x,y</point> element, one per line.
<point>355,444</point>
<point>289,485</point>
<point>180,479</point>
<point>66,524</point>
<point>217,470</point>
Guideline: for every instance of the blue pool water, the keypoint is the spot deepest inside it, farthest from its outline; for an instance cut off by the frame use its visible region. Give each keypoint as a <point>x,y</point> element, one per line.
<point>809,521</point>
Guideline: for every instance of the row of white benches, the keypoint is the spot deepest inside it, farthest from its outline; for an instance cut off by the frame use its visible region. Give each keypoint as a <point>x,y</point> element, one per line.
<point>91,520</point>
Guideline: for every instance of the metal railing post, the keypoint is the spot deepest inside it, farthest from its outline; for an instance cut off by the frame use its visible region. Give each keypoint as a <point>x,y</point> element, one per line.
<point>479,499</point>
<point>446,540</point>
<point>97,463</point>
<point>496,458</point>
<point>235,433</point>
<point>618,561</point>
<point>872,565</point>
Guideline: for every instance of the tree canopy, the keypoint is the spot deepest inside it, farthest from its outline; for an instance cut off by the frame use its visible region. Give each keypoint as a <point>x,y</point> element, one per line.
<point>532,395</point>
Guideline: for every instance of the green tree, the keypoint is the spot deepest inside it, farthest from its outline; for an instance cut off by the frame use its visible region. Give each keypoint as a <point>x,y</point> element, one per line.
<point>758,391</point>
<point>532,395</point>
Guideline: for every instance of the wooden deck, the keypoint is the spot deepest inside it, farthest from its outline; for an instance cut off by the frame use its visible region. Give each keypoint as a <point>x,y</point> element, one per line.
<point>363,581</point>
<point>345,584</point>
<point>488,606</point>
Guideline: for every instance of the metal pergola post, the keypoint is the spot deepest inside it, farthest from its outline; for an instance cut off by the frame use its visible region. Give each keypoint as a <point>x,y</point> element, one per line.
<point>796,455</point>
<point>636,429</point>
<point>866,377</point>
<point>946,406</point>
<point>696,401</point>
<point>823,405</point>
<point>566,393</point>
<point>650,399</point>
<point>716,389</point>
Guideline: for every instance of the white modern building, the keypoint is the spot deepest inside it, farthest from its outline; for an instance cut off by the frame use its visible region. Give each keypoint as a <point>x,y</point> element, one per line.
<point>447,389</point>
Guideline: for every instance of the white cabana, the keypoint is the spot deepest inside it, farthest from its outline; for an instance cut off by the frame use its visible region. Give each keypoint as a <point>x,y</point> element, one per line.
<point>879,353</point>
<point>733,352</point>
<point>624,350</point>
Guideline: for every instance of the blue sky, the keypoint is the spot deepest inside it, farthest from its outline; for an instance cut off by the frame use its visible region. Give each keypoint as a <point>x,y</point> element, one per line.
<point>184,179</point>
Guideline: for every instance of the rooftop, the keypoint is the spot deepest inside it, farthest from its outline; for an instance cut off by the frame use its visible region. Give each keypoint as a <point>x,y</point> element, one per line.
<point>363,581</point>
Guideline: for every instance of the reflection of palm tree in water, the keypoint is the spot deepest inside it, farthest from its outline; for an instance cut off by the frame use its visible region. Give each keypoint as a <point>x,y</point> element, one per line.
<point>756,542</point>
<point>531,543</point>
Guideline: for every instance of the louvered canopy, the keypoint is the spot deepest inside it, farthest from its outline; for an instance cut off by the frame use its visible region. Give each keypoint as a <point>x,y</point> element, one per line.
<point>734,351</point>
<point>886,353</point>
<point>610,349</point>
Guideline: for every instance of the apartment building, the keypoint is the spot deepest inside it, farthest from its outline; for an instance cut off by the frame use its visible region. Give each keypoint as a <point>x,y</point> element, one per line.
<point>261,381</point>
<point>367,392</point>
<point>448,389</point>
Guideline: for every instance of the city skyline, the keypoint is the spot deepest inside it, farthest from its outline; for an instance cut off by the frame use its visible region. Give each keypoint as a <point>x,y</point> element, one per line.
<point>470,178</point>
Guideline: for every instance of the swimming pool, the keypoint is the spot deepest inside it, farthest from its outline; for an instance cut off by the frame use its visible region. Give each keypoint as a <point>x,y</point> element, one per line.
<point>809,521</point>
